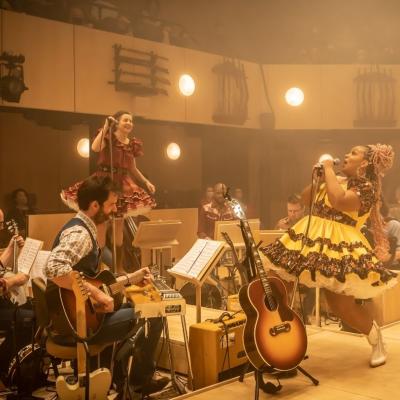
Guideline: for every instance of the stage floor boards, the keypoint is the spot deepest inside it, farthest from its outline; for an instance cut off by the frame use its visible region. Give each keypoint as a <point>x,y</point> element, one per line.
<point>339,361</point>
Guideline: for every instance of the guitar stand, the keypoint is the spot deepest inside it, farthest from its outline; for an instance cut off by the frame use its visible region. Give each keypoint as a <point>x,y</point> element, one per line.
<point>269,387</point>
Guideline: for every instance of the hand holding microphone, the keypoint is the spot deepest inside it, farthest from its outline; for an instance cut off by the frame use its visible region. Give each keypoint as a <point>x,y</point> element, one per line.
<point>110,121</point>
<point>326,159</point>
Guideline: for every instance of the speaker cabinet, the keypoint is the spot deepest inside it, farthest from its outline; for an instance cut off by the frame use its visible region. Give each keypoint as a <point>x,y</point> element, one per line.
<point>216,350</point>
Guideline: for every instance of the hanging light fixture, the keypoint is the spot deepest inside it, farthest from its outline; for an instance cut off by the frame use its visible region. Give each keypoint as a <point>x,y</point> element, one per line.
<point>294,97</point>
<point>83,147</point>
<point>187,85</point>
<point>173,151</point>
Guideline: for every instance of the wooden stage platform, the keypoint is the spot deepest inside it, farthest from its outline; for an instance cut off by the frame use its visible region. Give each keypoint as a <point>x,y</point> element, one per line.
<point>338,360</point>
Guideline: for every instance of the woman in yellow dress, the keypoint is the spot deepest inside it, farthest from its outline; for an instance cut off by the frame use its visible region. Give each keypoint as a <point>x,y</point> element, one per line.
<point>335,255</point>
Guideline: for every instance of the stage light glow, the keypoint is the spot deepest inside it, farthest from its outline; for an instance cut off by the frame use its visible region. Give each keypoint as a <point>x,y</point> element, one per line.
<point>294,97</point>
<point>83,148</point>
<point>173,151</point>
<point>187,85</point>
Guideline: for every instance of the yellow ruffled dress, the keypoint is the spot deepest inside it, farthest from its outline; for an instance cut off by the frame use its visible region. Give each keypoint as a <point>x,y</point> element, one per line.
<point>335,255</point>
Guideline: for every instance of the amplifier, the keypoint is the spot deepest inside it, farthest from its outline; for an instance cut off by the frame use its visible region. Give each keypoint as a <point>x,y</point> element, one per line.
<point>216,349</point>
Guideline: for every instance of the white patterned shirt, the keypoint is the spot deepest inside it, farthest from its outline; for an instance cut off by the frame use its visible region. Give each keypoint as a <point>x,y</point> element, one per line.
<point>74,244</point>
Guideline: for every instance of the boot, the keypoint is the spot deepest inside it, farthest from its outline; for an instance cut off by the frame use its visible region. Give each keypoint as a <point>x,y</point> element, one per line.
<point>378,356</point>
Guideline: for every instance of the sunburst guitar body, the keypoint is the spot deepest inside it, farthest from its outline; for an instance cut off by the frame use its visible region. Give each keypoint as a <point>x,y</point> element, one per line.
<point>272,337</point>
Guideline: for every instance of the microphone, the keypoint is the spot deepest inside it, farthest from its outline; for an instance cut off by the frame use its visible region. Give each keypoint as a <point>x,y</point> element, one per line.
<point>111,120</point>
<point>336,161</point>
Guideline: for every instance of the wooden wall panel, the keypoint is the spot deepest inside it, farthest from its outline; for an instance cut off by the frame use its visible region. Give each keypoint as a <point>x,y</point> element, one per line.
<point>280,78</point>
<point>46,226</point>
<point>94,65</point>
<point>41,159</point>
<point>48,68</point>
<point>329,90</point>
<point>164,108</point>
<point>93,71</point>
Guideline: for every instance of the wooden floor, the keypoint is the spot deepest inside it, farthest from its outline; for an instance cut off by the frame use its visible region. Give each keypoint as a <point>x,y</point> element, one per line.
<point>339,361</point>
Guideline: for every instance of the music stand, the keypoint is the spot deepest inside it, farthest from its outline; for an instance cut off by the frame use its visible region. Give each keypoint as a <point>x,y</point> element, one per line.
<point>232,228</point>
<point>157,237</point>
<point>267,236</point>
<point>197,264</point>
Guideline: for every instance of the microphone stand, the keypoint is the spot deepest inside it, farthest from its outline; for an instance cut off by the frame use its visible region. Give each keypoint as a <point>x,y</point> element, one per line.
<point>113,234</point>
<point>314,191</point>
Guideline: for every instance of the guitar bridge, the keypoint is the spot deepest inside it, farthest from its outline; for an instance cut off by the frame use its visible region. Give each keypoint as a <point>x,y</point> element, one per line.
<point>278,329</point>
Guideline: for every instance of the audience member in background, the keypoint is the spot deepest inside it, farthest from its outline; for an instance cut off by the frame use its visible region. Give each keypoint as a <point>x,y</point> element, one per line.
<point>207,196</point>
<point>394,209</point>
<point>9,284</point>
<point>295,212</point>
<point>215,210</point>
<point>20,208</point>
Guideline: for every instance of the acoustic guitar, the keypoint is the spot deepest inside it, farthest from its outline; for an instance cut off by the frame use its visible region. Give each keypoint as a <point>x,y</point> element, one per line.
<point>274,335</point>
<point>97,383</point>
<point>17,294</point>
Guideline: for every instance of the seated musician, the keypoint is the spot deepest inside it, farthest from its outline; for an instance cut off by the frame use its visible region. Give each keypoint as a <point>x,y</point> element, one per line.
<point>76,248</point>
<point>8,283</point>
<point>295,212</point>
<point>216,210</point>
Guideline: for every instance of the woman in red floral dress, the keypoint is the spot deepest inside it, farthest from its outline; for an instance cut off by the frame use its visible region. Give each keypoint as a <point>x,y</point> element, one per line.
<point>133,200</point>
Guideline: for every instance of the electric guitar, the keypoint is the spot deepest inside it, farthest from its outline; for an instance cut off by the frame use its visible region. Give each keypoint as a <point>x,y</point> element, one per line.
<point>274,335</point>
<point>62,307</point>
<point>97,382</point>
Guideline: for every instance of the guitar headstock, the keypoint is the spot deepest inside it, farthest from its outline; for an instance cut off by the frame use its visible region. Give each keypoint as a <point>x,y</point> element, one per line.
<point>155,270</point>
<point>227,238</point>
<point>12,227</point>
<point>78,287</point>
<point>234,205</point>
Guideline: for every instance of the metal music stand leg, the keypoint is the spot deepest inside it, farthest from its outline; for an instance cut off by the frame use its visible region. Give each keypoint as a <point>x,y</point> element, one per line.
<point>187,350</point>
<point>171,357</point>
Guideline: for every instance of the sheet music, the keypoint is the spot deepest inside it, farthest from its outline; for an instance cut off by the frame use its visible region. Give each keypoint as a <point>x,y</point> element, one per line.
<point>196,259</point>
<point>39,264</point>
<point>28,254</point>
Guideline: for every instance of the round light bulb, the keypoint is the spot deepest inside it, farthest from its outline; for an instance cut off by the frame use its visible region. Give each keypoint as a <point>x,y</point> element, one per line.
<point>83,148</point>
<point>187,85</point>
<point>173,151</point>
<point>294,97</point>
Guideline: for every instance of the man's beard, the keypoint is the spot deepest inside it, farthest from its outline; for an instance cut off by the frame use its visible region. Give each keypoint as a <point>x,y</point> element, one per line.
<point>101,217</point>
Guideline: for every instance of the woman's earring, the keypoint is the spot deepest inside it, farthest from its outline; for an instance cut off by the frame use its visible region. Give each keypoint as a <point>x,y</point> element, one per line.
<point>361,171</point>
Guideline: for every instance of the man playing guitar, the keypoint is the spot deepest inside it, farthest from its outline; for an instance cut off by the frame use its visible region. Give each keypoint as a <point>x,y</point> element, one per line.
<point>9,282</point>
<point>76,248</point>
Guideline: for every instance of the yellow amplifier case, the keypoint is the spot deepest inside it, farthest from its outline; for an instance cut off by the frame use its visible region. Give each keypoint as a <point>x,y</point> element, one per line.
<point>208,349</point>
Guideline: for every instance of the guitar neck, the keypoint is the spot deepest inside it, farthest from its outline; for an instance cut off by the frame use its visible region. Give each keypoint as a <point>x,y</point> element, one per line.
<point>119,286</point>
<point>131,225</point>
<point>15,256</point>
<point>257,261</point>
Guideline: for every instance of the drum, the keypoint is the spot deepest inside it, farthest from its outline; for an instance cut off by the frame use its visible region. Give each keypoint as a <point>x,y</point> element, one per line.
<point>210,295</point>
<point>34,366</point>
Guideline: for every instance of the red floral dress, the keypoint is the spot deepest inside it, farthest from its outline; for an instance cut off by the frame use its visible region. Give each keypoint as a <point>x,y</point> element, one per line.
<point>133,200</point>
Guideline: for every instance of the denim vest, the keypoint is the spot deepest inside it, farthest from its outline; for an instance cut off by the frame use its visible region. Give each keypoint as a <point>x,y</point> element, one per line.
<point>88,264</point>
